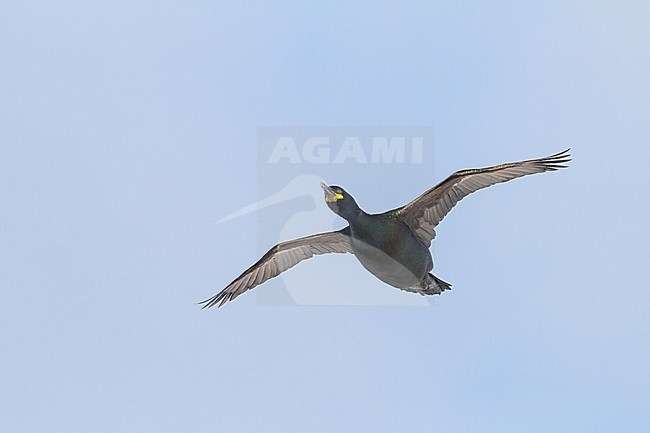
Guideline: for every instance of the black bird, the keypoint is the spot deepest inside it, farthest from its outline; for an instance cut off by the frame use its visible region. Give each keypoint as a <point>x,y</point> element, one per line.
<point>394,245</point>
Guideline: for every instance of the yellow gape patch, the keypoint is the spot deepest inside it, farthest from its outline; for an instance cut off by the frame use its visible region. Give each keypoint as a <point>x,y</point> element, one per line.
<point>331,198</point>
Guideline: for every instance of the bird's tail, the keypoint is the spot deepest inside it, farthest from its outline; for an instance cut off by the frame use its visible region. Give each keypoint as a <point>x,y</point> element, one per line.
<point>433,285</point>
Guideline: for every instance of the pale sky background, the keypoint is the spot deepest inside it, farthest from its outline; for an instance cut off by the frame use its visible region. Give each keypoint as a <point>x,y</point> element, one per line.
<point>127,129</point>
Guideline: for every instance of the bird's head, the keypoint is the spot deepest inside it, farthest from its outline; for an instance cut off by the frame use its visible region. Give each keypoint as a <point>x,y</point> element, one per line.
<point>340,201</point>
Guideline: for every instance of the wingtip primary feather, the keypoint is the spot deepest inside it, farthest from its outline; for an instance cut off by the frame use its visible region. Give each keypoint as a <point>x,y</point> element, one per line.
<point>211,302</point>
<point>555,161</point>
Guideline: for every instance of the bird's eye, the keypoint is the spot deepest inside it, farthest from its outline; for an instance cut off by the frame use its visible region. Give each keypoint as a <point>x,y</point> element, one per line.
<point>339,196</point>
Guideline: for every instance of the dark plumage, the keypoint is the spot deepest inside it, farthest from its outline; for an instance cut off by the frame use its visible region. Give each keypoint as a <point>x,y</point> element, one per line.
<point>394,245</point>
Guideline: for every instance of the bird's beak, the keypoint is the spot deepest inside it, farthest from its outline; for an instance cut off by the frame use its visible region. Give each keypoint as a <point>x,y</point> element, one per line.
<point>330,194</point>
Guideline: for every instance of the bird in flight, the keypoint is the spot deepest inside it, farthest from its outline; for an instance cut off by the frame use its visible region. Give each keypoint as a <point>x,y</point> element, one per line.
<point>393,245</point>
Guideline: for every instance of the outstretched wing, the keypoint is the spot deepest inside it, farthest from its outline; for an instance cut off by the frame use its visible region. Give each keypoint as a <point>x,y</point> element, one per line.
<point>280,258</point>
<point>425,212</point>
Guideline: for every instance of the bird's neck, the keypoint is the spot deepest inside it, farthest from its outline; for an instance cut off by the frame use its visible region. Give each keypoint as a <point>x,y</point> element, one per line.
<point>353,215</point>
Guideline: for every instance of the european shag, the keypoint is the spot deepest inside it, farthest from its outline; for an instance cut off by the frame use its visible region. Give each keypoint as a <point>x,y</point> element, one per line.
<point>394,245</point>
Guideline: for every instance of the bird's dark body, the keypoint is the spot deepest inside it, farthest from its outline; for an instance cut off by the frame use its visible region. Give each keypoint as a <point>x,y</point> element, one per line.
<point>387,247</point>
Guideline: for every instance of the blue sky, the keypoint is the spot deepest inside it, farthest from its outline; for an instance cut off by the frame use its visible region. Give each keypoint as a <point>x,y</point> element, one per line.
<point>128,129</point>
